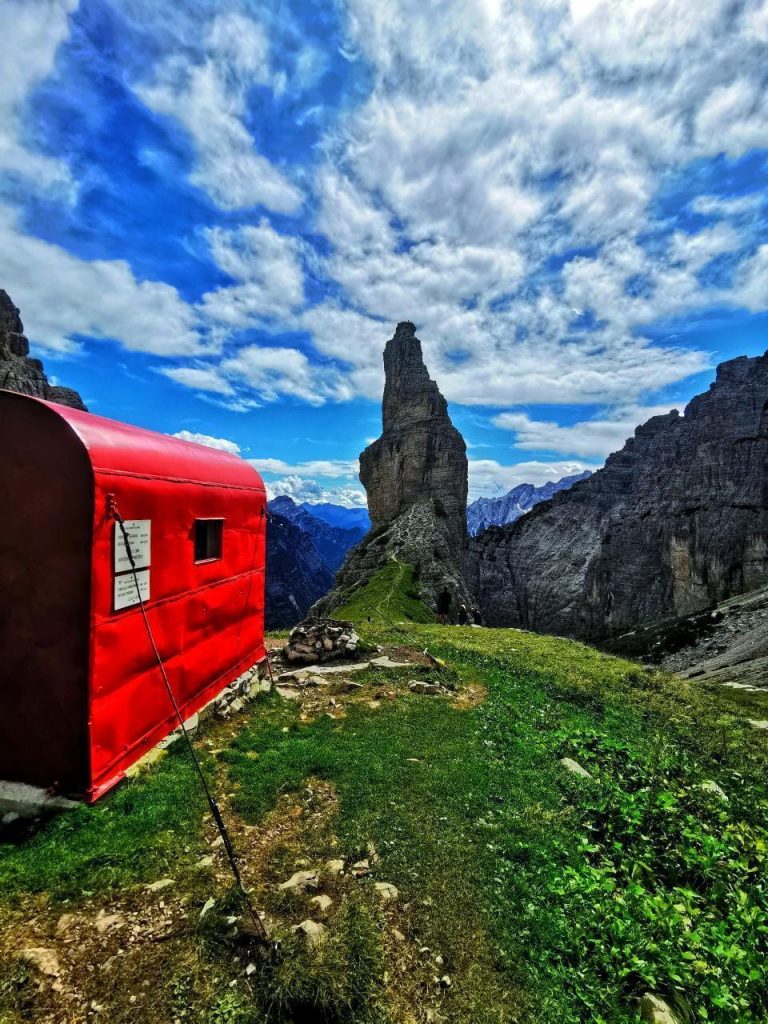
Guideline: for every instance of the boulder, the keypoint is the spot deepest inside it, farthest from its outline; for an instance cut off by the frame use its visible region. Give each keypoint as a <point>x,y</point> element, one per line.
<point>301,881</point>
<point>388,893</point>
<point>42,959</point>
<point>574,767</point>
<point>655,1010</point>
<point>318,640</point>
<point>419,686</point>
<point>315,932</point>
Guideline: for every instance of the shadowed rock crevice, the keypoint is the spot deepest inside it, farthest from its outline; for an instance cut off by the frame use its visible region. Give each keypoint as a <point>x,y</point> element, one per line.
<point>18,370</point>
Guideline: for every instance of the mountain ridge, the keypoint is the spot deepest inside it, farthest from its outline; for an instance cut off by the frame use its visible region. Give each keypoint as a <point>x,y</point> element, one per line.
<point>675,521</point>
<point>332,542</point>
<point>509,507</point>
<point>338,515</point>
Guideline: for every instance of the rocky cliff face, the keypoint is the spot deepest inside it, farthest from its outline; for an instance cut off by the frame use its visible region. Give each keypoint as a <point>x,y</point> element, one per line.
<point>415,476</point>
<point>19,372</point>
<point>420,453</point>
<point>675,521</point>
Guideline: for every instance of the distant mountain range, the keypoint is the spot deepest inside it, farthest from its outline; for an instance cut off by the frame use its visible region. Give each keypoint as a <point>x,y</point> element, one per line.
<point>338,515</point>
<point>308,543</point>
<point>305,548</point>
<point>329,526</point>
<point>487,512</point>
<point>296,574</point>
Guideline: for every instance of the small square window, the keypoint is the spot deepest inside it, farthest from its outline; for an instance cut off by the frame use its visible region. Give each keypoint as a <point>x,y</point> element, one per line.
<point>208,536</point>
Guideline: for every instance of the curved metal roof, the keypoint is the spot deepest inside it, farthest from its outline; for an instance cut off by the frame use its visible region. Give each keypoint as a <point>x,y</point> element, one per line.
<point>115,447</point>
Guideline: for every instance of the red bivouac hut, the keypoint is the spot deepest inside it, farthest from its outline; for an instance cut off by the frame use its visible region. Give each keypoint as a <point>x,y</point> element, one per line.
<point>81,694</point>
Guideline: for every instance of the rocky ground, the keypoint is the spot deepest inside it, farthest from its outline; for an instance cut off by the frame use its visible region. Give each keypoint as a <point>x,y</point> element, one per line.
<point>726,645</point>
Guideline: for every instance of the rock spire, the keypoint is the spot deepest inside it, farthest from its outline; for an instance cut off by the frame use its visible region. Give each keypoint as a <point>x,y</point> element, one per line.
<point>415,476</point>
<point>420,454</point>
<point>18,371</point>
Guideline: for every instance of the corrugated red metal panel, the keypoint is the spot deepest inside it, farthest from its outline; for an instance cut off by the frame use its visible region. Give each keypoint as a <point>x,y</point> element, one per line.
<point>207,617</point>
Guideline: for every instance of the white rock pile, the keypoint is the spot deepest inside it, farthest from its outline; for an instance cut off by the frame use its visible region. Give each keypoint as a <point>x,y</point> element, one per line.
<point>317,640</point>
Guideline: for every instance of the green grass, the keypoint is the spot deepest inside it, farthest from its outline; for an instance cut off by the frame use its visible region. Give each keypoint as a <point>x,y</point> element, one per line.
<point>391,595</point>
<point>136,834</point>
<point>551,899</point>
<point>583,894</point>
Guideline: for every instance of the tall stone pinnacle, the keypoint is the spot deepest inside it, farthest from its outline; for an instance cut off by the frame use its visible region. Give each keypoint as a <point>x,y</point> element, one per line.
<point>420,454</point>
<point>416,479</point>
<point>18,371</point>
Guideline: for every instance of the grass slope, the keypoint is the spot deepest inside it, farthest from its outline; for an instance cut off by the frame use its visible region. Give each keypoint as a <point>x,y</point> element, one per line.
<point>391,595</point>
<point>541,896</point>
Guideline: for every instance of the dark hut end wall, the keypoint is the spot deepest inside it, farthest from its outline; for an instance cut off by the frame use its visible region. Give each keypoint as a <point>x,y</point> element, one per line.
<point>46,512</point>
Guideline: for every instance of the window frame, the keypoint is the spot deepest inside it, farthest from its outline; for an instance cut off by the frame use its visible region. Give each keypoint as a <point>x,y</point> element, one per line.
<point>209,521</point>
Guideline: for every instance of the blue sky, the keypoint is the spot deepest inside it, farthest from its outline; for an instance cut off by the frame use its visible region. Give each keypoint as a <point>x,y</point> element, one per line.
<point>212,214</point>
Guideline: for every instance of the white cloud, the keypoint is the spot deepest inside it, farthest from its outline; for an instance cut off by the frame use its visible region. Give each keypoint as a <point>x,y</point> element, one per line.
<point>494,138</point>
<point>221,444</point>
<point>596,437</point>
<point>268,268</point>
<point>279,372</point>
<point>61,296</point>
<point>642,34</point>
<point>334,468</point>
<point>757,21</point>
<point>726,206</point>
<point>207,95</point>
<point>199,378</point>
<point>492,141</point>
<point>487,477</point>
<point>301,489</point>
<point>752,289</point>
<point>695,251</point>
<point>734,118</point>
<point>31,31</point>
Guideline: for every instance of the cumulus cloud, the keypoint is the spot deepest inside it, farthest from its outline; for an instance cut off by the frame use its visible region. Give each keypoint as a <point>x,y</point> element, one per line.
<point>207,94</point>
<point>63,298</point>
<point>199,378</point>
<point>268,267</point>
<point>489,477</point>
<point>595,437</point>
<point>301,489</point>
<point>493,139</point>
<point>279,372</point>
<point>736,115</point>
<point>727,206</point>
<point>221,444</point>
<point>752,289</point>
<point>496,186</point>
